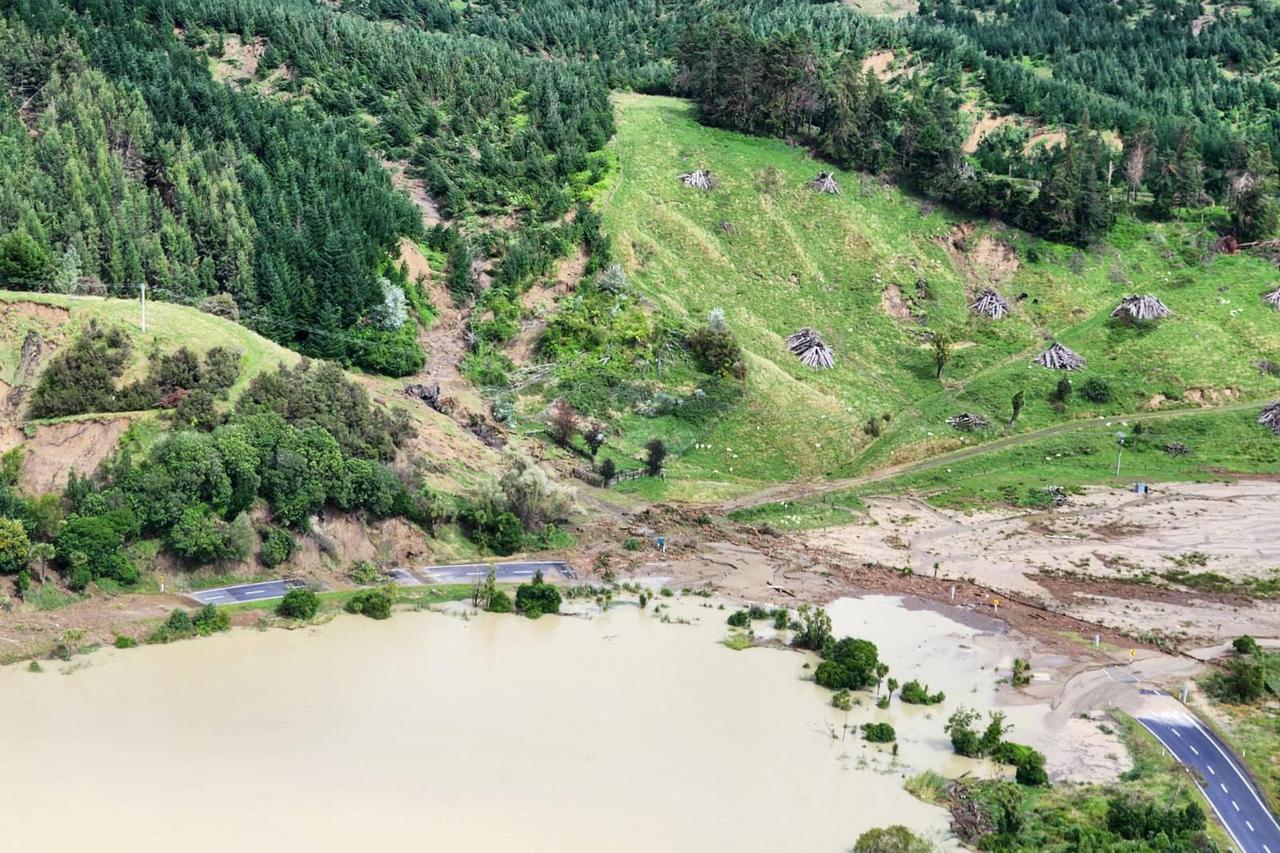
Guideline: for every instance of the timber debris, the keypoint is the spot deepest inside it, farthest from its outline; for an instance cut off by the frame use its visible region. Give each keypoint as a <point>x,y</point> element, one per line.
<point>1270,417</point>
<point>1143,308</point>
<point>968,422</point>
<point>807,346</point>
<point>1058,357</point>
<point>698,179</point>
<point>990,304</point>
<point>825,182</point>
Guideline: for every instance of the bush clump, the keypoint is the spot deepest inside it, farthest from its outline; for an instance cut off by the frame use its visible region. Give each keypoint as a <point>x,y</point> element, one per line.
<point>878,733</point>
<point>739,619</point>
<point>538,597</point>
<point>914,693</point>
<point>374,603</point>
<point>299,604</point>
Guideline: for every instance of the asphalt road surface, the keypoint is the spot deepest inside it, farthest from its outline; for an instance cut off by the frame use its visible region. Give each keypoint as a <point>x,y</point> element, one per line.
<point>1230,792</point>
<point>505,572</point>
<point>245,592</point>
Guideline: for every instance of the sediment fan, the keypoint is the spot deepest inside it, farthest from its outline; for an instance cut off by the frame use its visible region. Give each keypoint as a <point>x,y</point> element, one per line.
<point>1058,357</point>
<point>990,304</point>
<point>825,183</point>
<point>968,422</point>
<point>807,346</point>
<point>1270,417</point>
<point>698,179</point>
<point>1145,307</point>
<point>1273,299</point>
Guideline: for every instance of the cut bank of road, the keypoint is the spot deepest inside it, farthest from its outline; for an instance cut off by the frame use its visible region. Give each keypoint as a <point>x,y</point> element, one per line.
<point>511,572</point>
<point>1231,793</point>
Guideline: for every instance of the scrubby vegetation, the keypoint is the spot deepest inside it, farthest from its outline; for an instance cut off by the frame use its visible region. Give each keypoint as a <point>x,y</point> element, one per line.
<point>301,603</point>
<point>537,598</point>
<point>374,603</point>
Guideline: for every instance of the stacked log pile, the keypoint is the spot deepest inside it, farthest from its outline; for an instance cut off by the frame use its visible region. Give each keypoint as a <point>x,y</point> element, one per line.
<point>968,422</point>
<point>1270,417</point>
<point>1058,357</point>
<point>807,346</point>
<point>698,179</point>
<point>825,182</point>
<point>1273,299</point>
<point>990,304</point>
<point>1145,308</point>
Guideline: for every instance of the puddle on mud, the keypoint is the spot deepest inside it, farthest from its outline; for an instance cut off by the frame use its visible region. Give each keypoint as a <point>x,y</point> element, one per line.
<point>433,731</point>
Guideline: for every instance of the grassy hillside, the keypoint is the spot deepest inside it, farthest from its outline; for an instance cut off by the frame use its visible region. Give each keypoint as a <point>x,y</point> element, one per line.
<point>169,327</point>
<point>777,257</point>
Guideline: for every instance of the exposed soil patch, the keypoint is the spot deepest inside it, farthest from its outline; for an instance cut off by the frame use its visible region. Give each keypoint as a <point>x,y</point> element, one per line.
<point>60,448</point>
<point>416,189</point>
<point>879,64</point>
<point>984,123</point>
<point>893,303</point>
<point>239,61</point>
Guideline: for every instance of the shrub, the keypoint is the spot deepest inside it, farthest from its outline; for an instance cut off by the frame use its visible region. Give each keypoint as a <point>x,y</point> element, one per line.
<point>842,699</point>
<point>964,740</point>
<point>655,456</point>
<point>123,642</point>
<point>1021,675</point>
<point>1245,645</point>
<point>1137,819</point>
<point>1028,762</point>
<point>717,351</point>
<point>209,619</point>
<point>15,547</point>
<point>536,598</point>
<point>374,603</point>
<point>739,619</point>
<point>891,839</point>
<point>277,547</point>
<point>857,659</point>
<point>500,602</point>
<point>176,627</point>
<point>89,547</point>
<point>299,604</point>
<point>814,629</point>
<point>1245,681</point>
<point>1096,390</point>
<point>878,733</point>
<point>364,573</point>
<point>914,693</point>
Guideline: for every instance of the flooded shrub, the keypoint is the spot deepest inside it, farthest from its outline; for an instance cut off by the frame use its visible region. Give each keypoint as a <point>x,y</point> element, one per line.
<point>1245,645</point>
<point>914,693</point>
<point>499,602</point>
<point>123,642</point>
<point>1028,763</point>
<point>374,603</point>
<point>813,629</point>
<point>299,604</point>
<point>891,839</point>
<point>878,733</point>
<point>1021,676</point>
<point>842,699</point>
<point>739,619</point>
<point>536,598</point>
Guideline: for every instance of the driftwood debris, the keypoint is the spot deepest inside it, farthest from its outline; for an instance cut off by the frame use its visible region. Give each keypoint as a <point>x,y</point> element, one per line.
<point>1270,417</point>
<point>1057,495</point>
<point>1058,357</point>
<point>1273,298</point>
<point>698,179</point>
<point>990,304</point>
<point>1177,448</point>
<point>1145,308</point>
<point>807,346</point>
<point>173,398</point>
<point>825,182</point>
<point>968,422</point>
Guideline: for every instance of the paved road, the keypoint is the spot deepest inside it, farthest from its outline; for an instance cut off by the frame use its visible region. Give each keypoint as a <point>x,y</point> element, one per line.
<point>506,572</point>
<point>1229,791</point>
<point>245,592</point>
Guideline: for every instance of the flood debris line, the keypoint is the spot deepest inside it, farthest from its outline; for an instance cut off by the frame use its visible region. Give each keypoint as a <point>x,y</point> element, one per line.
<point>1273,298</point>
<point>698,179</point>
<point>968,422</point>
<point>990,304</point>
<point>1270,417</point>
<point>1144,308</point>
<point>807,346</point>
<point>1058,357</point>
<point>825,182</point>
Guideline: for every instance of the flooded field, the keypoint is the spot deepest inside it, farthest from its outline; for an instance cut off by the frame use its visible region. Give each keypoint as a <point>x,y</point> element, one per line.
<point>435,731</point>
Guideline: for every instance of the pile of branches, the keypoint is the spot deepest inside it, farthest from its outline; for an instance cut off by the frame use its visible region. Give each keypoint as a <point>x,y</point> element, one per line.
<point>1270,417</point>
<point>807,346</point>
<point>968,422</point>
<point>825,182</point>
<point>173,398</point>
<point>1177,448</point>
<point>1058,357</point>
<point>699,179</point>
<point>990,304</point>
<point>1273,298</point>
<point>1057,495</point>
<point>1145,308</point>
<point>969,819</point>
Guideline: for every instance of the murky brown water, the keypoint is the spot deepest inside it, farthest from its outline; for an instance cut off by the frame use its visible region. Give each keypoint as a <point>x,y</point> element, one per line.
<point>431,732</point>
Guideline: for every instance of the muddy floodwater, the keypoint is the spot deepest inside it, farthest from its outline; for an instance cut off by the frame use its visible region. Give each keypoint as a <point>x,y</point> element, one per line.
<point>491,733</point>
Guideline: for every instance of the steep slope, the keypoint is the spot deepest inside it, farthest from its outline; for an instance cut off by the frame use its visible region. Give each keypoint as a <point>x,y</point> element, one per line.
<point>877,273</point>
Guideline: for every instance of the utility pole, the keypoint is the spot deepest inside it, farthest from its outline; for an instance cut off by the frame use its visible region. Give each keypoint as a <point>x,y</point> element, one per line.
<point>144,306</point>
<point>1119,450</point>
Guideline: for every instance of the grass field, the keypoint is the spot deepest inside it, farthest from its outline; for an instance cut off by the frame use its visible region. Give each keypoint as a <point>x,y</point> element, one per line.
<point>169,327</point>
<point>777,257</point>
